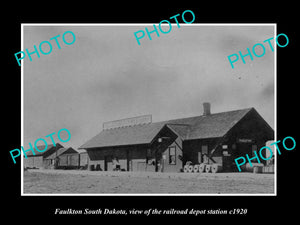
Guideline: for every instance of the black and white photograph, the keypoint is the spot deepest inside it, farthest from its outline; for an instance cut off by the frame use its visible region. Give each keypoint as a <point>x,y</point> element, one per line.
<point>138,113</point>
<point>167,116</point>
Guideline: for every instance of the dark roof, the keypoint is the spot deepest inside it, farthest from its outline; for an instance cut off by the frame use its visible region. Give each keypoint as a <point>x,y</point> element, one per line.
<point>139,134</point>
<point>62,151</point>
<point>49,150</point>
<point>198,127</point>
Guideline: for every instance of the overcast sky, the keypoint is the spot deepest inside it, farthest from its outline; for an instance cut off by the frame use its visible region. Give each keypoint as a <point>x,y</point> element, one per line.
<point>105,75</point>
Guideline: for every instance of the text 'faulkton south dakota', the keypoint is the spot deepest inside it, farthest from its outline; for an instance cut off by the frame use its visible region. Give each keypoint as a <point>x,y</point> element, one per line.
<point>89,211</point>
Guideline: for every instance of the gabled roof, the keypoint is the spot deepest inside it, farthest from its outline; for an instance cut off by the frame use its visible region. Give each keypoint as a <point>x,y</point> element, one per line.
<point>139,134</point>
<point>50,148</point>
<point>198,127</point>
<point>216,125</point>
<point>62,151</point>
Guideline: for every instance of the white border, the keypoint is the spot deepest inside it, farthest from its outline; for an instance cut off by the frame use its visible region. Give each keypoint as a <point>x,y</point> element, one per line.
<point>149,24</point>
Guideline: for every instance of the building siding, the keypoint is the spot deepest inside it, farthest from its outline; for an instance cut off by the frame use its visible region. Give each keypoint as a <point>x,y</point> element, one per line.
<point>33,162</point>
<point>217,138</point>
<point>134,158</point>
<point>84,159</point>
<point>177,167</point>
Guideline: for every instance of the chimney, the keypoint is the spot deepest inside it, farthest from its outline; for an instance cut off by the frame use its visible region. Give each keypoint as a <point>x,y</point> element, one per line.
<point>206,108</point>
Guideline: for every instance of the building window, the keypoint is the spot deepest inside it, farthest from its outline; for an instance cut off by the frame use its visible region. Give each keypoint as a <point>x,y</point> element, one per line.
<point>234,146</point>
<point>172,155</point>
<point>204,149</point>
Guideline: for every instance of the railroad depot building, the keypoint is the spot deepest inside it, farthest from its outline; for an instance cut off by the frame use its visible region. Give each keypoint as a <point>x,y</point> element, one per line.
<point>137,144</point>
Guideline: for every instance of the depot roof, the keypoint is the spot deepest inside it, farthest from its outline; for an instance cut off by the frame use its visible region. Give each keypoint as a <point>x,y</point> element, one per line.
<point>198,127</point>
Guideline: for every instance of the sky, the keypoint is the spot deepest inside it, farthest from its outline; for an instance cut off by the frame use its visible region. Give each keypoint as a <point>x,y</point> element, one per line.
<point>105,75</point>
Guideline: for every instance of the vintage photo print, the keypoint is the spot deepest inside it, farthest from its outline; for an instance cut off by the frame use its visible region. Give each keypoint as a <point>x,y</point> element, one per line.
<point>148,109</point>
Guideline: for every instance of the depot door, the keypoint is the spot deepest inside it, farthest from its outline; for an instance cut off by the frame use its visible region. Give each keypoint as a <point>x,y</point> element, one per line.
<point>227,162</point>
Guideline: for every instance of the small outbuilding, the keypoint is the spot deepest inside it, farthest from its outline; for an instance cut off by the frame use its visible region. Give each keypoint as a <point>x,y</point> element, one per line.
<point>38,160</point>
<point>63,158</point>
<point>137,144</point>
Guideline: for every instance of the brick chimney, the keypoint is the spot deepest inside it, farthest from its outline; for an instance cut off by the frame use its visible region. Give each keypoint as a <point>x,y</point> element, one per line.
<point>206,108</point>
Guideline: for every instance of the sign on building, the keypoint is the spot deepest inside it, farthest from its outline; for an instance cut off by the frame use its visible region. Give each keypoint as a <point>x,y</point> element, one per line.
<point>128,122</point>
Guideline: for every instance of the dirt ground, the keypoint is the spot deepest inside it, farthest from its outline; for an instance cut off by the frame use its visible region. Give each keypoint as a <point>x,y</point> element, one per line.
<point>96,182</point>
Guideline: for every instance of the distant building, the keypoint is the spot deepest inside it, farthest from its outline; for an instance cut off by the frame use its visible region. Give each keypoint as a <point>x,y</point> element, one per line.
<point>63,158</point>
<point>39,159</point>
<point>140,145</point>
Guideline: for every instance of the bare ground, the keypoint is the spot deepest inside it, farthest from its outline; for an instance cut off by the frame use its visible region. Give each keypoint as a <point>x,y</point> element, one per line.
<point>96,182</point>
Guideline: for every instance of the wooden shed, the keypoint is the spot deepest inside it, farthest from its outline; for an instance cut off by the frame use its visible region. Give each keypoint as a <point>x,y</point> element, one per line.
<point>63,158</point>
<point>39,159</point>
<point>166,146</point>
